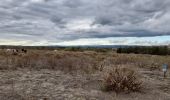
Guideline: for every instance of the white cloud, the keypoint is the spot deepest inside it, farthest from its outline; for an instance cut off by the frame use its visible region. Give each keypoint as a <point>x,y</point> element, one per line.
<point>37,0</point>
<point>160,24</point>
<point>146,41</point>
<point>80,25</point>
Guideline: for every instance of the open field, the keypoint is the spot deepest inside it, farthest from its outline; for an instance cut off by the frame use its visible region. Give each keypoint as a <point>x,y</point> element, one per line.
<point>68,75</point>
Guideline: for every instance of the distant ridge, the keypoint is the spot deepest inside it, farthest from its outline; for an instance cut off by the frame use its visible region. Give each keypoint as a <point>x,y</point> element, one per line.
<point>80,46</point>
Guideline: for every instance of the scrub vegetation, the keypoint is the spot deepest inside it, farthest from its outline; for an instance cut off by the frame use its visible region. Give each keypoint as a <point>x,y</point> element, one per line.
<point>60,74</point>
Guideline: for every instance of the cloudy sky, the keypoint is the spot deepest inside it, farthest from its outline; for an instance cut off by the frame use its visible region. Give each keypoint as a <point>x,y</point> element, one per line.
<point>84,22</point>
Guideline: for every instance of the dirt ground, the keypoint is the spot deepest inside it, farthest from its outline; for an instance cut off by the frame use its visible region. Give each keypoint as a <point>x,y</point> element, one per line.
<point>56,85</point>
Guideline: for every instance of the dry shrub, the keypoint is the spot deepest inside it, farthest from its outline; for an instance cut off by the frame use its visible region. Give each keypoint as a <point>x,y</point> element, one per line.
<point>121,79</point>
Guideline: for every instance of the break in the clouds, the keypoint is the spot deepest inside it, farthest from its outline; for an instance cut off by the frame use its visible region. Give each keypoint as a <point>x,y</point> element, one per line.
<point>77,22</point>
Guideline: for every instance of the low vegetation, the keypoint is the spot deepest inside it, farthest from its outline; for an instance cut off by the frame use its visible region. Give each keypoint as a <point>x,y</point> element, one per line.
<point>121,79</point>
<point>155,50</point>
<point>53,74</point>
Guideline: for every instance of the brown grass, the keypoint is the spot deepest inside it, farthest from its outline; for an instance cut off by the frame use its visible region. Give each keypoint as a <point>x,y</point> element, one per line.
<point>71,61</point>
<point>83,70</point>
<point>63,60</point>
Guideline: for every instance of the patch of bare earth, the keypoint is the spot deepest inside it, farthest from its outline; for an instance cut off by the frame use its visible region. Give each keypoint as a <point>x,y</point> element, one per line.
<point>56,85</point>
<point>50,85</point>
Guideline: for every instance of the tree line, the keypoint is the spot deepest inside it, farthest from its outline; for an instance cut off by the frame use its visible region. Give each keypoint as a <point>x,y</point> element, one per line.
<point>154,50</point>
<point>66,48</point>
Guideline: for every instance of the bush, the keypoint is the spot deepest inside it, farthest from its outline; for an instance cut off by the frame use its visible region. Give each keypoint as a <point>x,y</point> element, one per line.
<point>122,80</point>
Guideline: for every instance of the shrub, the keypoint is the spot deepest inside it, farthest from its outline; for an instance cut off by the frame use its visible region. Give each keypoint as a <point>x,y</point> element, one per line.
<point>121,79</point>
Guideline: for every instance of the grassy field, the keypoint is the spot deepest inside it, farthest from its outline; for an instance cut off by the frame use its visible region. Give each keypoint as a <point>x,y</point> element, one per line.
<point>86,75</point>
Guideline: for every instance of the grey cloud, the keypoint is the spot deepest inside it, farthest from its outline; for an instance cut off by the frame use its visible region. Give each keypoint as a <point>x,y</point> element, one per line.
<point>73,3</point>
<point>49,19</point>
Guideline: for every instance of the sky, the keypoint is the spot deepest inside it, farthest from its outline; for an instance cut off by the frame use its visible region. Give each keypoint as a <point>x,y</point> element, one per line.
<point>84,22</point>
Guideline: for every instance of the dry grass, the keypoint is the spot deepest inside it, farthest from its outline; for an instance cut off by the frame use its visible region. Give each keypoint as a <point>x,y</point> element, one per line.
<point>85,62</point>
<point>82,72</point>
<point>68,60</point>
<point>63,60</point>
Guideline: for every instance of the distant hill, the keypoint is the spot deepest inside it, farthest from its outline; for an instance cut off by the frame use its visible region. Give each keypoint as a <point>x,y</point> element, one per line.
<point>103,46</point>
<point>56,46</point>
